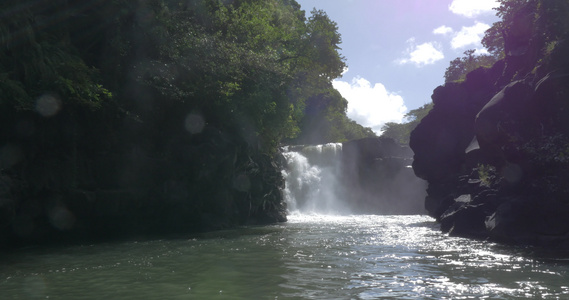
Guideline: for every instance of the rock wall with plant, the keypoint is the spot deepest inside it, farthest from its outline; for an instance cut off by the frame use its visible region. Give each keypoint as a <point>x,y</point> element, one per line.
<point>494,147</point>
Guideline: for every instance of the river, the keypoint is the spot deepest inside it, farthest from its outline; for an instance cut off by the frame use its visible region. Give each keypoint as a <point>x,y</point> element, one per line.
<point>309,257</point>
<point>322,252</point>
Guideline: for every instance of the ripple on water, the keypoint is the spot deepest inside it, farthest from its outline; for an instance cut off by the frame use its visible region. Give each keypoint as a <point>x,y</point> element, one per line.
<point>310,257</point>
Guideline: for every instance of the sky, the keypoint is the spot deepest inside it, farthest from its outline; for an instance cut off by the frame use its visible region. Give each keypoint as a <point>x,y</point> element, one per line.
<point>397,51</point>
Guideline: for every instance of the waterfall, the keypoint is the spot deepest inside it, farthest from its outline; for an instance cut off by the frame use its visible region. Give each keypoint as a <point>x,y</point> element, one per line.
<point>312,178</point>
<point>368,176</point>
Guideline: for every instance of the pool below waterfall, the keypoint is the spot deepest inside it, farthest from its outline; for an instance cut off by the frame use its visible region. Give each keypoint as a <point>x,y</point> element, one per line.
<point>310,257</point>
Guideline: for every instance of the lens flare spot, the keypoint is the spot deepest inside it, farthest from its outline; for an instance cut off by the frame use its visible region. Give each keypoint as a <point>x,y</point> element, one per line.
<point>512,173</point>
<point>48,105</point>
<point>61,218</point>
<point>194,123</point>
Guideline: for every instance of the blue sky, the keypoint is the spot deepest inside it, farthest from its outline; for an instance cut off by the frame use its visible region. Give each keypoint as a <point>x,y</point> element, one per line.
<point>397,50</point>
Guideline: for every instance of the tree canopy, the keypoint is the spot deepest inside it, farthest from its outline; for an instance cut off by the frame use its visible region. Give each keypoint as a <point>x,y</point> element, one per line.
<point>166,111</point>
<point>401,132</point>
<point>257,67</point>
<point>542,21</point>
<point>461,66</point>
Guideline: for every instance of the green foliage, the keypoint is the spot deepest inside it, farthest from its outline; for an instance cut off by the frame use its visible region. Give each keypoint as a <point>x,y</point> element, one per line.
<point>35,61</point>
<point>248,65</point>
<point>494,37</point>
<point>461,66</point>
<point>13,93</point>
<point>197,90</point>
<point>548,18</point>
<point>549,151</point>
<point>486,174</point>
<point>401,132</point>
<point>553,16</point>
<point>325,119</point>
<point>493,40</point>
<point>351,130</point>
<point>256,62</point>
<point>322,46</point>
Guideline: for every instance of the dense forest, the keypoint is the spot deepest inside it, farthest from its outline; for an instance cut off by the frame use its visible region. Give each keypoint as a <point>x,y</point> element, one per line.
<point>136,117</point>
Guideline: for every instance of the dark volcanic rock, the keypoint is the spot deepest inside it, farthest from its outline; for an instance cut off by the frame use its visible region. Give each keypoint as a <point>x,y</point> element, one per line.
<point>494,153</point>
<point>526,220</point>
<point>378,177</point>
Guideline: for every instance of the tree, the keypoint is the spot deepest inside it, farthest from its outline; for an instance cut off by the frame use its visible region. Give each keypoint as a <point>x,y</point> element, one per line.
<point>178,105</point>
<point>401,132</point>
<point>461,66</point>
<point>34,60</point>
<point>547,18</point>
<point>325,120</point>
<point>323,45</point>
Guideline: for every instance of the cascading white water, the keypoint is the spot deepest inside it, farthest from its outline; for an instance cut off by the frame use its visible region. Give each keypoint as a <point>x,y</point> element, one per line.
<point>312,179</point>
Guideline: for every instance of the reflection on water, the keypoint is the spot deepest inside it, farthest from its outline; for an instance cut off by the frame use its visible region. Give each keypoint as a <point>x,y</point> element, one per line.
<point>310,257</point>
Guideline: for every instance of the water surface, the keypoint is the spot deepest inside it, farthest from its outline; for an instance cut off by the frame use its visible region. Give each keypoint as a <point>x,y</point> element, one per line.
<point>310,257</point>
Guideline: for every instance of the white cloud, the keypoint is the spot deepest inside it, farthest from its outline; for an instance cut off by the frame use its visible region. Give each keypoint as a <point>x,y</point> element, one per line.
<point>472,8</point>
<point>481,51</point>
<point>423,54</point>
<point>469,36</point>
<point>371,106</point>
<point>443,30</point>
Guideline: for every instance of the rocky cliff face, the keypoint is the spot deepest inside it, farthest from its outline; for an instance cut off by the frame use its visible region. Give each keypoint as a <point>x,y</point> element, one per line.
<point>495,150</point>
<point>378,178</point>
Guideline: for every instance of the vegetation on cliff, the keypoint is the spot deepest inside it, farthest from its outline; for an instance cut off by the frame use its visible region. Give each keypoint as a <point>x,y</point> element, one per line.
<point>461,66</point>
<point>143,116</point>
<point>400,132</point>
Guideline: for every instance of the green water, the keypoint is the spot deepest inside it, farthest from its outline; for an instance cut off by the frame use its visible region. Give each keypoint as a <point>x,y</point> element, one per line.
<point>310,257</point>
